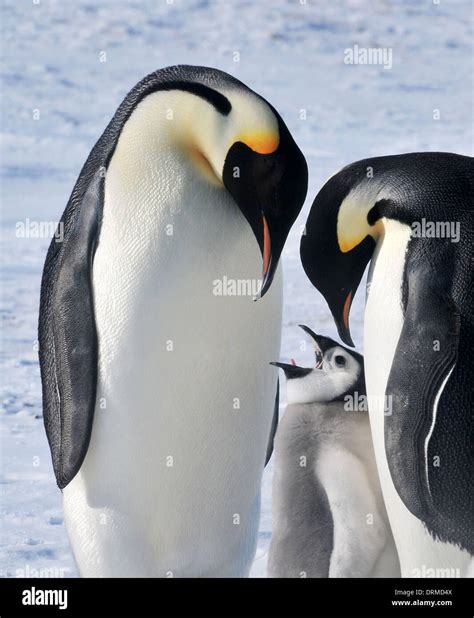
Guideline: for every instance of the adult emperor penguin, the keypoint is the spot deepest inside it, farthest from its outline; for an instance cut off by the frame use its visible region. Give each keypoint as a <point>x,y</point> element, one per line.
<point>329,518</point>
<point>411,215</point>
<point>157,403</point>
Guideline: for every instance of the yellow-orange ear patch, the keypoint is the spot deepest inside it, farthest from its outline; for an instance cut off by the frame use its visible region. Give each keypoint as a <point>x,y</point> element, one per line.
<point>263,143</point>
<point>346,244</point>
<point>356,234</point>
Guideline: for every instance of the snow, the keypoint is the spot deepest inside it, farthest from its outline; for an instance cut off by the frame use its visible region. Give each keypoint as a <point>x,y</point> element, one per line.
<point>59,93</point>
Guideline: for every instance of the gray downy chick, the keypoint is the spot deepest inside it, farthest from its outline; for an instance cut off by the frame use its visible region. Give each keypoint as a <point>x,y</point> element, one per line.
<point>329,518</point>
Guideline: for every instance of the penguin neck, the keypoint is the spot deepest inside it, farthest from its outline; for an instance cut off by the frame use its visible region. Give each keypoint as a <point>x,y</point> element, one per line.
<point>170,211</point>
<point>319,387</point>
<point>184,230</point>
<point>367,208</point>
<point>174,126</point>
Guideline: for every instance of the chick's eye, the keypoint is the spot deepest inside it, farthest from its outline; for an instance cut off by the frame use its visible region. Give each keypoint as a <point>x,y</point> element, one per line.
<point>339,360</point>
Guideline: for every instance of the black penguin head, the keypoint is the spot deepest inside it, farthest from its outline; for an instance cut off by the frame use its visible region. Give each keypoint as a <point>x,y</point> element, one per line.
<point>269,186</point>
<point>339,240</point>
<point>338,371</point>
<point>351,211</point>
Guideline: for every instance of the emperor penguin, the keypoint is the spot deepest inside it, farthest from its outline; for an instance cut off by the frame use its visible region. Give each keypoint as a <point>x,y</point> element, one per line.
<point>329,518</point>
<point>158,398</point>
<point>411,217</point>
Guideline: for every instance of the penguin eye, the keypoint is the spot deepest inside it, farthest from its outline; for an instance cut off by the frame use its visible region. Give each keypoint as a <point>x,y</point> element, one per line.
<point>339,360</point>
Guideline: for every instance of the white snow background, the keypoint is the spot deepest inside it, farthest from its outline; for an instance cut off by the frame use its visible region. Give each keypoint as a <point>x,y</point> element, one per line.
<point>291,52</point>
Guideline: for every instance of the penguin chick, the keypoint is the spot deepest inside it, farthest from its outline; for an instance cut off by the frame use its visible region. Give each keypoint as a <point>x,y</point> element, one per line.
<point>329,519</point>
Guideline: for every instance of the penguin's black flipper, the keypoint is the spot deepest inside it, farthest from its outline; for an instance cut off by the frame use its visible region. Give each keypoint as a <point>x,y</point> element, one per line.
<point>274,426</point>
<point>67,331</point>
<point>428,432</point>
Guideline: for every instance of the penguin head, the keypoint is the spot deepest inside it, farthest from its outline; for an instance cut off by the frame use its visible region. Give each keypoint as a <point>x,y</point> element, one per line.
<point>236,140</point>
<point>341,233</point>
<point>338,371</point>
<point>350,213</point>
<point>266,174</point>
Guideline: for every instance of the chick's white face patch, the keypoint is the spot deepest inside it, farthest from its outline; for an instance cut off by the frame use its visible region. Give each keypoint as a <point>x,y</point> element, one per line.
<point>336,373</point>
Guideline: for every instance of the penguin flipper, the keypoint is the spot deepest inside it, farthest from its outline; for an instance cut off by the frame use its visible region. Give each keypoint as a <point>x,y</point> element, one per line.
<point>428,415</point>
<point>274,426</point>
<point>67,332</point>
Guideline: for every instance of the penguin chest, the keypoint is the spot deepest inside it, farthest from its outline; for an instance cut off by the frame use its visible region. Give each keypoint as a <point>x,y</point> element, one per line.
<point>382,328</point>
<point>185,392</point>
<point>383,323</point>
<point>383,320</point>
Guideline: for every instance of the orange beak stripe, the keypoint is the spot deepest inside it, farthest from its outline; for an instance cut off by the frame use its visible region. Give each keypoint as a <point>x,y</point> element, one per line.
<point>267,246</point>
<point>345,311</point>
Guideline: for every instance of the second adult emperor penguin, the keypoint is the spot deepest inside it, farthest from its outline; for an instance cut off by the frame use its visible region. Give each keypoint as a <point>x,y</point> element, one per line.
<point>158,398</point>
<point>412,216</point>
<point>329,518</point>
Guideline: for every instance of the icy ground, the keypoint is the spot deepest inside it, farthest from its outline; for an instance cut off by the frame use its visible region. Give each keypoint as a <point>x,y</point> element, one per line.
<point>57,97</point>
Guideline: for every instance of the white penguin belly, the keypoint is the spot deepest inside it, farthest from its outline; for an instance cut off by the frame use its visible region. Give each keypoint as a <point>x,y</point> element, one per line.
<point>420,554</point>
<point>170,485</point>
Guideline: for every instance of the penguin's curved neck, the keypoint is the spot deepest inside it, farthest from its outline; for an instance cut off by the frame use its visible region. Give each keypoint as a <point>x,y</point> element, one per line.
<point>404,188</point>
<point>175,123</point>
<point>365,209</point>
<point>319,387</point>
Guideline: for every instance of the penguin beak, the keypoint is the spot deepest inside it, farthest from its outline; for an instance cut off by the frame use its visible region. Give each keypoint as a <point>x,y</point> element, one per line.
<point>336,274</point>
<point>321,344</point>
<point>292,371</point>
<point>267,253</point>
<point>340,306</point>
<point>338,280</point>
<point>269,188</point>
<point>272,246</point>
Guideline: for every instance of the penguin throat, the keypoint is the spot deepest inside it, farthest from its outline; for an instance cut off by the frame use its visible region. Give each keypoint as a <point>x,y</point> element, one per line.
<point>203,164</point>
